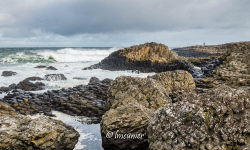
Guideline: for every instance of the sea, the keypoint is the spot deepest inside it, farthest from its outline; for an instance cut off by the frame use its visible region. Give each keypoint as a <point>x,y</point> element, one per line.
<point>70,62</point>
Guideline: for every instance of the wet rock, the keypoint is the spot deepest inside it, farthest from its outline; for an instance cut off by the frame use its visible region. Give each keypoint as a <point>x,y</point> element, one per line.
<point>149,57</point>
<point>55,77</point>
<point>22,133</point>
<point>33,79</point>
<point>26,85</point>
<point>84,100</point>
<point>216,119</point>
<point>51,68</point>
<point>80,78</point>
<point>93,80</point>
<point>89,100</point>
<point>8,73</point>
<point>40,66</point>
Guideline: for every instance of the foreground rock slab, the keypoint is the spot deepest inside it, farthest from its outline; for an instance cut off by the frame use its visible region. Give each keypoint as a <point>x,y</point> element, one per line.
<point>19,132</point>
<point>217,119</point>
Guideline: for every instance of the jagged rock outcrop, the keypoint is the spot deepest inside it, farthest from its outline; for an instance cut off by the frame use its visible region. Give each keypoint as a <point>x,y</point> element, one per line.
<point>234,69</point>
<point>19,132</point>
<point>132,101</point>
<point>216,119</point>
<point>149,57</point>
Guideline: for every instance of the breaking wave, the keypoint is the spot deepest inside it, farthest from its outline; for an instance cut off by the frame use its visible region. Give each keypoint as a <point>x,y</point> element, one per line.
<point>77,55</point>
<point>61,55</point>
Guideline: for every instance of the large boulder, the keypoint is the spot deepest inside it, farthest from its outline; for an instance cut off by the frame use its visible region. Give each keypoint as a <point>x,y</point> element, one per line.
<point>146,91</point>
<point>125,127</point>
<point>26,85</point>
<point>175,80</point>
<point>216,119</point>
<point>149,57</point>
<point>132,100</point>
<point>19,132</point>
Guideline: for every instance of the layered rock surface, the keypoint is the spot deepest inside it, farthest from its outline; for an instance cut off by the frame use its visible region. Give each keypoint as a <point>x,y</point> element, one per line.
<point>217,119</point>
<point>234,69</point>
<point>19,132</point>
<point>132,101</point>
<point>149,57</point>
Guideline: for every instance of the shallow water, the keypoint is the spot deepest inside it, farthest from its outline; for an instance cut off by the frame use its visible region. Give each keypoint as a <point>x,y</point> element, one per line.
<point>90,135</point>
<point>68,61</point>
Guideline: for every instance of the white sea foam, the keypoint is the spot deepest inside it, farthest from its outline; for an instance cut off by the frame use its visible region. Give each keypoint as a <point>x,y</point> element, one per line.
<point>90,136</point>
<point>76,55</point>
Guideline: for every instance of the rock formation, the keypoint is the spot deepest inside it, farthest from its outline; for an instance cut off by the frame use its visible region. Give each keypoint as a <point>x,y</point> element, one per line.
<point>217,119</point>
<point>149,57</point>
<point>234,69</point>
<point>88,100</point>
<point>131,101</point>
<point>8,73</point>
<point>23,133</point>
<point>55,77</point>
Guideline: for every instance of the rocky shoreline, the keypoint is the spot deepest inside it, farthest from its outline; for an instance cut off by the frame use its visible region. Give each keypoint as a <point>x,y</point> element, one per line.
<point>170,110</point>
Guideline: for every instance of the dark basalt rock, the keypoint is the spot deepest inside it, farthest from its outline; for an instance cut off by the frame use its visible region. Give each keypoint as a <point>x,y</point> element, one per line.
<point>43,66</point>
<point>86,100</point>
<point>40,66</point>
<point>149,57</point>
<point>8,73</point>
<point>51,68</point>
<point>93,80</point>
<point>26,85</point>
<point>33,79</point>
<point>55,77</point>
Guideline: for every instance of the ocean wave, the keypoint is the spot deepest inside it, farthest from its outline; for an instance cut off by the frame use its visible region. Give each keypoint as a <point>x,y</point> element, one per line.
<point>61,55</point>
<point>77,55</point>
<point>22,57</point>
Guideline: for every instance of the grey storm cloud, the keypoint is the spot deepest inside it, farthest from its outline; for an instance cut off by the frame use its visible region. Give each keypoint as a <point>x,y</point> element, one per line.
<point>71,17</point>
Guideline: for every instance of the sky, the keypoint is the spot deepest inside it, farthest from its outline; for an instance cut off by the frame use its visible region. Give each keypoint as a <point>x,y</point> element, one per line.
<point>121,23</point>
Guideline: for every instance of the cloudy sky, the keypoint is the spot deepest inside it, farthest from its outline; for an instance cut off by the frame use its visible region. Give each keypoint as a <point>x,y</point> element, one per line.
<point>122,22</point>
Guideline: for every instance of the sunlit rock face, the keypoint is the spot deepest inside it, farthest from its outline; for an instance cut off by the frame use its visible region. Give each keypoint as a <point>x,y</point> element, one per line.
<point>148,57</point>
